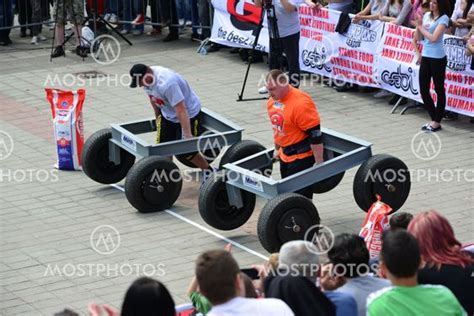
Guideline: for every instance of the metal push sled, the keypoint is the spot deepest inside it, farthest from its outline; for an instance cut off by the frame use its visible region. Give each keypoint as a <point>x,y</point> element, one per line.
<point>154,182</point>
<point>227,201</point>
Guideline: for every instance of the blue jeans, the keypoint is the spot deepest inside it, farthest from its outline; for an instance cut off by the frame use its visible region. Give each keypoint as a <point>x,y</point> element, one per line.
<point>112,6</point>
<point>195,16</point>
<point>184,9</point>
<point>131,8</point>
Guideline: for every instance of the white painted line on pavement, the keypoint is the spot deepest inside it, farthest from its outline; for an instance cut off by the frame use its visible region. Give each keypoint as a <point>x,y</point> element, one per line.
<point>207,230</point>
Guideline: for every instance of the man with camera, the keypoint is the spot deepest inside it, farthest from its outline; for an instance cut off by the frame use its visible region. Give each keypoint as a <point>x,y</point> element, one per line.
<point>288,23</point>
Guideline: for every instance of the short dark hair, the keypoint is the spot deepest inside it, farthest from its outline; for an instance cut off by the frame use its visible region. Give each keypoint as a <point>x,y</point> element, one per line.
<point>216,273</point>
<point>277,76</point>
<point>250,291</point>
<point>400,253</point>
<point>350,255</point>
<point>148,297</point>
<point>400,220</point>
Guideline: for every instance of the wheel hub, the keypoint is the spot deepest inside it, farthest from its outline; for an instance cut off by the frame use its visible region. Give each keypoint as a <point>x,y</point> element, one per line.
<point>391,188</point>
<point>294,227</point>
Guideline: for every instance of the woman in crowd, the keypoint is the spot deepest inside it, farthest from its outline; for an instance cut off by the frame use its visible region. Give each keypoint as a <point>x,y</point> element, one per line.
<point>433,60</point>
<point>145,297</point>
<point>459,18</point>
<point>444,261</point>
<point>396,11</point>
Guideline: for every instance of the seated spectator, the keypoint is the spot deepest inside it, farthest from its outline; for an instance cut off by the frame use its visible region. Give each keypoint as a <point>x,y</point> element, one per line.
<point>145,297</point>
<point>295,282</point>
<point>350,258</point>
<point>400,259</point>
<point>345,303</point>
<point>400,220</point>
<point>444,261</point>
<point>219,280</point>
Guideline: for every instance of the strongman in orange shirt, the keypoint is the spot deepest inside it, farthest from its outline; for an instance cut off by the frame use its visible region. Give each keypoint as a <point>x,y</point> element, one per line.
<point>296,127</point>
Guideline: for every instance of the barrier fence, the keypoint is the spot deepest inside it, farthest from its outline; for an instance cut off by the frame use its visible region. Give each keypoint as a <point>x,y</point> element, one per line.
<point>157,13</point>
<point>370,53</point>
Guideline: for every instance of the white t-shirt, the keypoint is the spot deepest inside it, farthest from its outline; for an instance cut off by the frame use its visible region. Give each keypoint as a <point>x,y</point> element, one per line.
<point>168,89</point>
<point>252,307</point>
<point>288,22</point>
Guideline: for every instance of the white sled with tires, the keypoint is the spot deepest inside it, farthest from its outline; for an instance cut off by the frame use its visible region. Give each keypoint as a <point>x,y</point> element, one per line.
<point>153,183</point>
<point>227,201</point>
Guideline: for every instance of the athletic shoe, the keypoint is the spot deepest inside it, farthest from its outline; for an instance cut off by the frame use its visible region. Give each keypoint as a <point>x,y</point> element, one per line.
<point>171,37</point>
<point>34,40</point>
<point>58,51</point>
<point>113,18</point>
<point>140,19</point>
<point>263,90</point>
<point>431,129</point>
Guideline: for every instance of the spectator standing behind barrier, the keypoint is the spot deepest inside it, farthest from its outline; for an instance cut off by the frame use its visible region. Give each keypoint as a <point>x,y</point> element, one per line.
<point>288,21</point>
<point>36,17</point>
<point>400,220</point>
<point>400,259</point>
<point>170,18</point>
<point>295,280</point>
<point>396,11</point>
<point>296,127</point>
<point>444,261</point>
<point>6,20</point>
<point>74,11</point>
<point>433,61</point>
<point>459,18</point>
<point>219,280</point>
<point>350,258</point>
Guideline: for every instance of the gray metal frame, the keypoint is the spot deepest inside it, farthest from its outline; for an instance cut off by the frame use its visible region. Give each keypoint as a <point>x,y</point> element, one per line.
<point>352,152</point>
<point>124,135</point>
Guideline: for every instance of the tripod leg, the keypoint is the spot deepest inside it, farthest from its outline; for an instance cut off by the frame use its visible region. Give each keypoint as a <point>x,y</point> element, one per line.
<point>250,59</point>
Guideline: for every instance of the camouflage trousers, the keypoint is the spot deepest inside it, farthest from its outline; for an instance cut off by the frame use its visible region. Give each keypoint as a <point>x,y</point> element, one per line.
<point>72,10</point>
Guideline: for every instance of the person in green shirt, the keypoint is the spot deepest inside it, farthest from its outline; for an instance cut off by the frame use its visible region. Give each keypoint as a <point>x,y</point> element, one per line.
<point>199,301</point>
<point>399,262</point>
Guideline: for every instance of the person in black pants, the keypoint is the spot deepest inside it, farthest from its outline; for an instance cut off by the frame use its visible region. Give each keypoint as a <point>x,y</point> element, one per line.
<point>286,12</point>
<point>170,17</point>
<point>6,20</point>
<point>433,60</point>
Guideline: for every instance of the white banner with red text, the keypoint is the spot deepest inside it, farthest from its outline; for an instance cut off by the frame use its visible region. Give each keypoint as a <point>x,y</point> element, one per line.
<point>369,53</point>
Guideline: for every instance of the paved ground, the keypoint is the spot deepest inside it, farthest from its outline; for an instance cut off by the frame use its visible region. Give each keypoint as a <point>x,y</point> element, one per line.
<point>47,217</point>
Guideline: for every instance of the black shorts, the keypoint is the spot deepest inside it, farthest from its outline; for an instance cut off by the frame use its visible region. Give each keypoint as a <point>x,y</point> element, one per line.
<point>167,131</point>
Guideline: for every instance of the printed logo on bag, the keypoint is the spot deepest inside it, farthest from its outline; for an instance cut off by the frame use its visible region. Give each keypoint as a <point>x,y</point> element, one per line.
<point>129,142</point>
<point>105,49</point>
<point>315,58</point>
<point>6,145</point>
<point>456,54</point>
<point>358,33</point>
<point>399,79</point>
<point>105,239</point>
<point>426,146</point>
<point>321,237</point>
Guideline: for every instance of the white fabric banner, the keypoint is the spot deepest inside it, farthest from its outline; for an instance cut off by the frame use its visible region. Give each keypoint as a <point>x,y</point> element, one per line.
<point>370,53</point>
<point>348,57</point>
<point>236,24</point>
